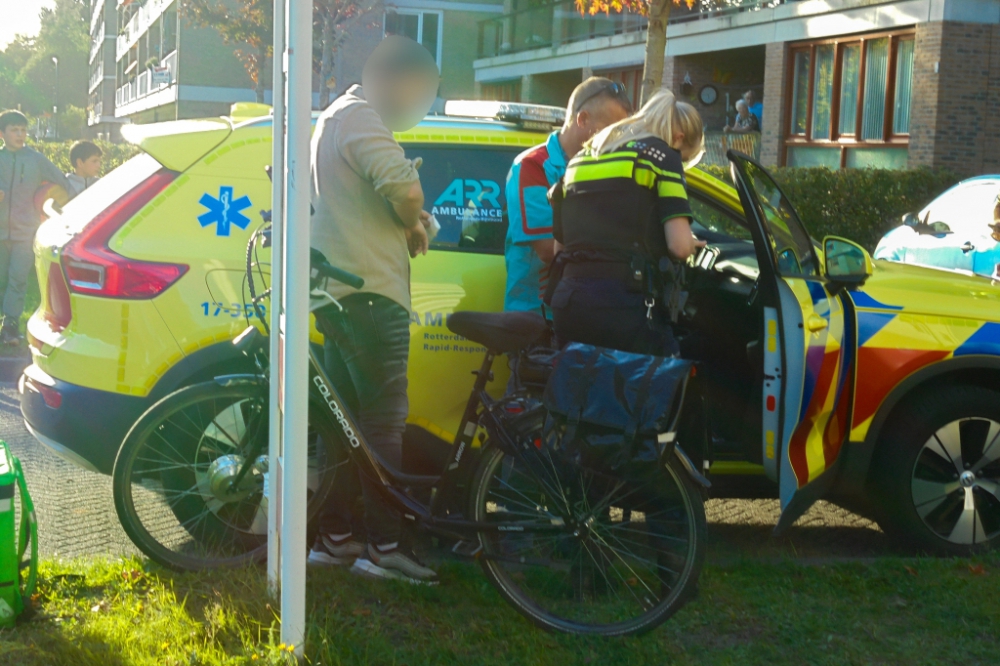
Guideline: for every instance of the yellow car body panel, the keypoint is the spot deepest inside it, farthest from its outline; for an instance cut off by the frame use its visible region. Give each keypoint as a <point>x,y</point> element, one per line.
<point>180,143</point>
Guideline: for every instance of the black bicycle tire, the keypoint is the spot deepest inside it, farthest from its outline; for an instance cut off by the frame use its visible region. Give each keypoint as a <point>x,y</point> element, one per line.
<point>143,427</point>
<point>694,498</point>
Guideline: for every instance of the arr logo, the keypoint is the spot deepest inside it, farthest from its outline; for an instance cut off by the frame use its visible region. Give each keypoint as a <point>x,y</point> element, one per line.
<point>469,201</point>
<point>471,193</point>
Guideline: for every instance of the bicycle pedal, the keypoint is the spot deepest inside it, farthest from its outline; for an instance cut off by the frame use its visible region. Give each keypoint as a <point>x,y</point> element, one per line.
<point>470,549</point>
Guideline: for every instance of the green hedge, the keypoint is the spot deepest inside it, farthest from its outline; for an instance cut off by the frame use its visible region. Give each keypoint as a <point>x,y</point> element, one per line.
<point>860,204</point>
<point>115,154</point>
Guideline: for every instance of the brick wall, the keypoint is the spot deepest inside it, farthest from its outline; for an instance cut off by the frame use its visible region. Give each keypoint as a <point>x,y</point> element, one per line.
<point>772,130</point>
<point>954,120</point>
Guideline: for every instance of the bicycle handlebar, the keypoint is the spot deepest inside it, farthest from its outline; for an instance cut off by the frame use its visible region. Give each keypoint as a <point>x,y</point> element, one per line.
<point>319,263</point>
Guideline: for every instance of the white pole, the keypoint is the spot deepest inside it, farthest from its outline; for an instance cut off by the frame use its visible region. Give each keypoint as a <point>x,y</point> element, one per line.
<point>275,472</point>
<point>295,388</point>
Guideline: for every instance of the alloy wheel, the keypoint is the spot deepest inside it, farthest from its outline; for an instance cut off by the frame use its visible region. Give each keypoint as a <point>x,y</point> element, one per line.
<point>955,483</point>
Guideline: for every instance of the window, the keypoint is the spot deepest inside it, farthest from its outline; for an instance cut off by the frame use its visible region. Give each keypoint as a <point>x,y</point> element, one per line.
<point>849,101</point>
<point>503,91</point>
<point>631,79</point>
<point>464,190</point>
<point>420,26</point>
<point>793,248</point>
<point>718,221</point>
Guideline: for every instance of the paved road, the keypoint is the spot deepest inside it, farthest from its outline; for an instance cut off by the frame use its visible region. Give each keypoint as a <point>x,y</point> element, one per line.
<point>75,509</point>
<point>76,512</point>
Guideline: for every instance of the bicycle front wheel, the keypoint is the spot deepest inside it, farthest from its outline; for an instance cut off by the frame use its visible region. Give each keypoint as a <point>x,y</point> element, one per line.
<point>627,559</point>
<point>190,480</point>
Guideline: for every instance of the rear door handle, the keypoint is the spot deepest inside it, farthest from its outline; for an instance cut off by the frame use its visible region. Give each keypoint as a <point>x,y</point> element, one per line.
<point>815,323</point>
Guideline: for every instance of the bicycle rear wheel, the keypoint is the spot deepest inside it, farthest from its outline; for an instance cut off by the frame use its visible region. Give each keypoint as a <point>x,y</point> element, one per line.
<point>629,556</point>
<point>176,480</point>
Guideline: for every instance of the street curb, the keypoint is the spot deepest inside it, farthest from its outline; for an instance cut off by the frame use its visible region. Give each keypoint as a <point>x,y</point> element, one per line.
<point>11,367</point>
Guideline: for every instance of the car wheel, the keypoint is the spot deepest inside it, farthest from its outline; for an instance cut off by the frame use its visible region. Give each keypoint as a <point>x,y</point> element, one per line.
<point>936,472</point>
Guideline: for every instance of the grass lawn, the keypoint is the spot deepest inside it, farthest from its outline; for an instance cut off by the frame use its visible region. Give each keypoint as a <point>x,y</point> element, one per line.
<point>893,611</point>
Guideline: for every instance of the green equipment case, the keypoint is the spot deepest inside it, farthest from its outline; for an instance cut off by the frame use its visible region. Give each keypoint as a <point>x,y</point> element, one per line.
<point>15,540</point>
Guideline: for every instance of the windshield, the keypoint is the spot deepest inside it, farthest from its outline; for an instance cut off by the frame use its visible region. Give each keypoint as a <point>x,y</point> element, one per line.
<point>966,208</point>
<point>464,189</point>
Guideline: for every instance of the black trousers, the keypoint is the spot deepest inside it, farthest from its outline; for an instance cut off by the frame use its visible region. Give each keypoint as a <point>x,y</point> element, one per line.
<point>366,351</point>
<point>603,312</point>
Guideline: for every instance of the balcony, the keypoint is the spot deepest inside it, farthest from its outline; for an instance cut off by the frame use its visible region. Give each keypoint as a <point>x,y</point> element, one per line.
<point>718,143</point>
<point>139,24</point>
<point>557,23</point>
<point>146,85</point>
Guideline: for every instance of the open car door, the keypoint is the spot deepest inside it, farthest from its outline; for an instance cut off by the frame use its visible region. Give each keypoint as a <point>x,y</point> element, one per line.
<point>808,342</point>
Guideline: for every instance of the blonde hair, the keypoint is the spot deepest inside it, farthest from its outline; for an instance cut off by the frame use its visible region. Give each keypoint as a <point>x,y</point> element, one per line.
<point>660,116</point>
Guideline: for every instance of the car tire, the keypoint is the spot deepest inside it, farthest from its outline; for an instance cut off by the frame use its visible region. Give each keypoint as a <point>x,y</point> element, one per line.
<point>936,472</point>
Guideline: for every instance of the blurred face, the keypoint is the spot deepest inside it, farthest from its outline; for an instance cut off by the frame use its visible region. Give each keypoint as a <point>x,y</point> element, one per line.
<point>743,110</point>
<point>15,136</point>
<point>402,101</point>
<point>90,167</point>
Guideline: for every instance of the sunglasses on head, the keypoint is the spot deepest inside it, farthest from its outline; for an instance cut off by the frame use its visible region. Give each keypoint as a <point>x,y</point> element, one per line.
<point>616,90</point>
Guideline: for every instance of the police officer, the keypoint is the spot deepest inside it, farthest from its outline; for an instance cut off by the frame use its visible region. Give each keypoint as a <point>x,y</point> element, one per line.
<point>623,218</point>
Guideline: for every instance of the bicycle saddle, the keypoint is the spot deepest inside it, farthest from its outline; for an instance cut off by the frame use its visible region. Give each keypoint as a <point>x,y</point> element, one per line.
<point>500,332</point>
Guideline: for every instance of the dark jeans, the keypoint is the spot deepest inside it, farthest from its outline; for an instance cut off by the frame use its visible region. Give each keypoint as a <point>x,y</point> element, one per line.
<point>604,313</point>
<point>17,260</point>
<point>366,350</point>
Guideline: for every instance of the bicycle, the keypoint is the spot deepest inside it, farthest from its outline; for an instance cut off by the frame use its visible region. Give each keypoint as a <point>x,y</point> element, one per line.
<point>573,548</point>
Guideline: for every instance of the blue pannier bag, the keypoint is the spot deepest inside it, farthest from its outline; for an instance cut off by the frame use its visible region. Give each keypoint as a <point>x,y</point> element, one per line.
<point>616,408</point>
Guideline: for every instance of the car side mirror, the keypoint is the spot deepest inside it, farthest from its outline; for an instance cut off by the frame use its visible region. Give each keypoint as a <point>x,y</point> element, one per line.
<point>846,262</point>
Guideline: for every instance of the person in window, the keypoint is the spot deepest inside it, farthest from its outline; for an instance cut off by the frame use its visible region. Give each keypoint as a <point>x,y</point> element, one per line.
<point>528,249</point>
<point>745,121</point>
<point>755,107</point>
<point>623,218</point>
<point>369,220</point>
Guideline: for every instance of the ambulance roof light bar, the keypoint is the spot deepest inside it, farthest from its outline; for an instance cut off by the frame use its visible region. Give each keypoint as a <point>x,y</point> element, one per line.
<point>529,116</point>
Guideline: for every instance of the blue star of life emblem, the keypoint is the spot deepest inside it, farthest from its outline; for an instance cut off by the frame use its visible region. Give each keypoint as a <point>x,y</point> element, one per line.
<point>224,211</point>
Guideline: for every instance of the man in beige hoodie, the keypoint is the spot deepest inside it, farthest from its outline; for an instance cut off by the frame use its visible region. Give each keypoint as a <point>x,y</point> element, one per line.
<point>369,220</point>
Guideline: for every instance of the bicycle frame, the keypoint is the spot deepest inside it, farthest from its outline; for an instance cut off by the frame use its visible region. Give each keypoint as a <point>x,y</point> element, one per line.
<point>388,481</point>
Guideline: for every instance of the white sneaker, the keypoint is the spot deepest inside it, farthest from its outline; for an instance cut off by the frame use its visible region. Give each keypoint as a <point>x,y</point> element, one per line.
<point>393,563</point>
<point>327,551</point>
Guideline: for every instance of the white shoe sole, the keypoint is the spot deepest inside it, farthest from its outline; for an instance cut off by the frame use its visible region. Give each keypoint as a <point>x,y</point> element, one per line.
<point>369,569</point>
<point>319,558</point>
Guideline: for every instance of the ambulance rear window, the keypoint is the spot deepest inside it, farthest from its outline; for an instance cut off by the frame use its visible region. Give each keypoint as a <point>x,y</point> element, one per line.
<point>464,190</point>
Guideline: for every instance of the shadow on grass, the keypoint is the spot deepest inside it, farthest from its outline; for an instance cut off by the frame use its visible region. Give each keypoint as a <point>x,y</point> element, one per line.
<point>42,642</point>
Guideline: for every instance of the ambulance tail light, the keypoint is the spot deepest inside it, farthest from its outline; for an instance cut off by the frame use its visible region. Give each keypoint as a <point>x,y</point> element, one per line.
<point>92,268</point>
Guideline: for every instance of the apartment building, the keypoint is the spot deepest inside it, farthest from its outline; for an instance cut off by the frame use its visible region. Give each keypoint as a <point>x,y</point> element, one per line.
<point>161,67</point>
<point>101,118</point>
<point>844,83</point>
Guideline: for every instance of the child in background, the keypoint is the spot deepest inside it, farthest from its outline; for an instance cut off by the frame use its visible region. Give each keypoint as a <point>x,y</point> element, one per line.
<point>22,171</point>
<point>85,157</point>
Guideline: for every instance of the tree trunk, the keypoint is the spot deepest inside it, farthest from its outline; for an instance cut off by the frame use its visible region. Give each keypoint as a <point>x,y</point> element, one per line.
<point>326,63</point>
<point>656,47</point>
